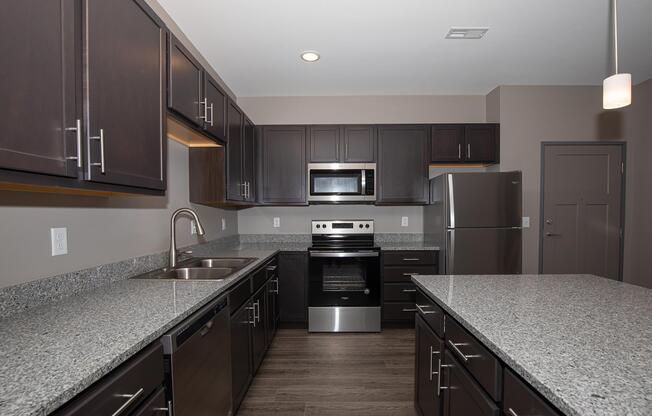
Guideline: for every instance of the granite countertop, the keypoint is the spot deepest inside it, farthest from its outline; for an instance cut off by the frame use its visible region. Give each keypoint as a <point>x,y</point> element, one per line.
<point>584,342</point>
<point>51,353</point>
<point>407,245</point>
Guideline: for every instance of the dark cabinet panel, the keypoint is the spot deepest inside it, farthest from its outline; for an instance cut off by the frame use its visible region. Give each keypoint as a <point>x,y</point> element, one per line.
<point>259,329</point>
<point>462,395</point>
<point>234,148</point>
<point>184,83</point>
<point>402,164</point>
<point>481,143</point>
<point>520,399</point>
<point>324,144</point>
<point>284,165</point>
<point>127,142</point>
<point>206,176</point>
<point>216,101</point>
<point>358,144</point>
<point>249,160</point>
<point>241,364</point>
<point>429,348</point>
<point>410,258</point>
<point>292,286</point>
<point>38,80</point>
<point>273,304</point>
<point>446,143</point>
<point>431,313</point>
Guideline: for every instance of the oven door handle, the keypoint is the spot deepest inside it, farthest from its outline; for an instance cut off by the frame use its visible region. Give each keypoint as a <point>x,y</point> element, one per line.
<point>344,254</point>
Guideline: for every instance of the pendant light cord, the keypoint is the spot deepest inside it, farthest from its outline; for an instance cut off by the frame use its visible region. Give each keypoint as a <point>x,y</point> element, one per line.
<point>614,13</point>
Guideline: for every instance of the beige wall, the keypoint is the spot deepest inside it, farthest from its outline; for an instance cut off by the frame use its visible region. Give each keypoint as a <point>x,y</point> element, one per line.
<point>531,115</point>
<point>100,230</point>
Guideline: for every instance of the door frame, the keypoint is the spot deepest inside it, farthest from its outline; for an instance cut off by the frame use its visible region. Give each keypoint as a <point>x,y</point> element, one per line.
<point>623,146</point>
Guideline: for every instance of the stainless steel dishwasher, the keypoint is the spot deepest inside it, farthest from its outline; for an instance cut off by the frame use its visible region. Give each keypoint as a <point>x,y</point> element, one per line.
<point>198,363</point>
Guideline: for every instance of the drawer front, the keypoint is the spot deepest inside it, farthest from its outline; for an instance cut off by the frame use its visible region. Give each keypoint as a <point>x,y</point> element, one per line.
<point>399,292</point>
<point>405,258</point>
<point>462,394</point>
<point>398,311</point>
<point>430,312</point>
<point>402,274</point>
<point>259,279</point>
<point>124,388</point>
<point>239,294</point>
<point>481,363</point>
<point>521,400</point>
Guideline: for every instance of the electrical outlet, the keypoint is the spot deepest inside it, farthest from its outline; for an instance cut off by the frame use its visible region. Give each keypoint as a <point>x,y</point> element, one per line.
<point>404,221</point>
<point>193,227</point>
<point>526,222</point>
<point>277,222</point>
<point>59,240</point>
<point>223,224</point>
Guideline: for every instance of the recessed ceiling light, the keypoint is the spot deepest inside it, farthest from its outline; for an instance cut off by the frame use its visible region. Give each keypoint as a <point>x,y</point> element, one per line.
<point>310,56</point>
<point>466,32</point>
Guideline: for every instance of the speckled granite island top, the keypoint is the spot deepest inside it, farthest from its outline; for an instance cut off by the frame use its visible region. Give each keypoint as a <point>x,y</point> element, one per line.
<point>51,353</point>
<point>584,342</point>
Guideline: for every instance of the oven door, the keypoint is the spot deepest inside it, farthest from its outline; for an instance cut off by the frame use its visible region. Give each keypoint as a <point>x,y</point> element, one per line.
<point>350,278</point>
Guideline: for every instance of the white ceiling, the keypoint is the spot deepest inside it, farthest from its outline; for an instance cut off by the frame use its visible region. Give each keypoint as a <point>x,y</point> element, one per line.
<point>377,47</point>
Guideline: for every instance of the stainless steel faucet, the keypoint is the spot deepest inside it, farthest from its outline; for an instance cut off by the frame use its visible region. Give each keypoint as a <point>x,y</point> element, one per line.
<point>172,260</point>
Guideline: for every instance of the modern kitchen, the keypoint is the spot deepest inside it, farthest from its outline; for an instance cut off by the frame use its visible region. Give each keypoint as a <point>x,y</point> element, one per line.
<point>421,208</point>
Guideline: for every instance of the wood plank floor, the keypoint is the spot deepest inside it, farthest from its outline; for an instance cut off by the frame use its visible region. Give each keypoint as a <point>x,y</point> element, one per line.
<point>335,374</point>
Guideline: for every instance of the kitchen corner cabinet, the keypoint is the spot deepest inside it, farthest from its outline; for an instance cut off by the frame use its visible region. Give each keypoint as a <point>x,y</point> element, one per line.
<point>402,165</point>
<point>94,139</point>
<point>342,144</point>
<point>283,166</point>
<point>460,143</point>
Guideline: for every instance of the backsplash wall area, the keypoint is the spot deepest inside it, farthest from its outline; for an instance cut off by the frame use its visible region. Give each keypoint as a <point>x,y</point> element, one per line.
<point>101,230</point>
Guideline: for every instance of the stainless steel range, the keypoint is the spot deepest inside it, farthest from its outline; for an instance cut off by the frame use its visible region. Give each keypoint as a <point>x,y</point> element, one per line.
<point>344,278</point>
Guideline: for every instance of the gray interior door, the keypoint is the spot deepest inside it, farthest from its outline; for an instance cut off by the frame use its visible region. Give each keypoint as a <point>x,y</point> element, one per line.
<point>582,207</point>
<point>483,251</point>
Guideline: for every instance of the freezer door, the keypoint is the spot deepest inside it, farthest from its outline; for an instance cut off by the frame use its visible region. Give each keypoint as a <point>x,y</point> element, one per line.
<point>489,199</point>
<point>483,251</point>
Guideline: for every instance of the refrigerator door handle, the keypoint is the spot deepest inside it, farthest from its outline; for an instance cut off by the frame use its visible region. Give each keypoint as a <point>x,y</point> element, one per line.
<point>451,202</point>
<point>450,256</point>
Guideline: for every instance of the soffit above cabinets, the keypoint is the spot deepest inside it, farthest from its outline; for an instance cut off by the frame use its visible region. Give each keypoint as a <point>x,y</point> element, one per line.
<point>378,47</point>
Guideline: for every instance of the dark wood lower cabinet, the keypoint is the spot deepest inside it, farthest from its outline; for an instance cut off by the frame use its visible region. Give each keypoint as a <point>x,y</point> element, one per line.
<point>519,399</point>
<point>273,310</point>
<point>293,278</point>
<point>241,361</point>
<point>462,395</point>
<point>259,328</point>
<point>429,347</point>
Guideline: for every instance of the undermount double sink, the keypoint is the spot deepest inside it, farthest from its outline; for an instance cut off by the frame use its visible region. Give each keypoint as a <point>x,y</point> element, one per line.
<point>214,268</point>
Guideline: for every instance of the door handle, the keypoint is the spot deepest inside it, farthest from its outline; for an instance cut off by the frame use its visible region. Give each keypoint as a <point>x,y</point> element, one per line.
<point>468,151</point>
<point>459,151</point>
<point>211,122</point>
<point>422,310</point>
<point>552,235</point>
<point>454,346</point>
<point>130,399</point>
<point>204,102</point>
<point>78,133</point>
<point>101,139</point>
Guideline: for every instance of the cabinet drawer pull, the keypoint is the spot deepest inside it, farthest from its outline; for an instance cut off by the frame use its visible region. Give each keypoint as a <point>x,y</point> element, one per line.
<point>130,399</point>
<point>411,259</point>
<point>454,347</point>
<point>409,309</point>
<point>410,274</point>
<point>211,122</point>
<point>512,412</point>
<point>204,102</point>
<point>468,151</point>
<point>78,134</point>
<point>165,409</point>
<point>439,386</point>
<point>101,139</point>
<point>409,290</point>
<point>459,151</point>
<point>422,310</point>
<point>252,308</point>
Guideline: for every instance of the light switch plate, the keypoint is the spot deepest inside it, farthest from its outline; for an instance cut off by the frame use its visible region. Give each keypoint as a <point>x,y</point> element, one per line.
<point>526,222</point>
<point>277,222</point>
<point>59,241</point>
<point>404,221</point>
<point>223,224</point>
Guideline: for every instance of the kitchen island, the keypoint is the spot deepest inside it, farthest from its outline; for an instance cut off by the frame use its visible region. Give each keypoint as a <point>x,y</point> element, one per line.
<point>581,342</point>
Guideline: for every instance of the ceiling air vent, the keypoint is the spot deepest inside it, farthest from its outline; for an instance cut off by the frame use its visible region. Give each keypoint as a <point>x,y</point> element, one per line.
<point>466,32</point>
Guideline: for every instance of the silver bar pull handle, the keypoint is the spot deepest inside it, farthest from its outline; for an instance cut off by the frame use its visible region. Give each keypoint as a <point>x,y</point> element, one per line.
<point>409,309</point>
<point>459,151</point>
<point>439,386</point>
<point>78,133</point>
<point>432,354</point>
<point>468,150</point>
<point>130,399</point>
<point>252,308</point>
<point>101,162</point>
<point>512,412</point>
<point>430,373</point>
<point>409,290</point>
<point>411,259</point>
<point>454,346</point>
<point>421,309</point>
<point>165,409</point>
<point>410,274</point>
<point>204,102</point>
<point>212,114</point>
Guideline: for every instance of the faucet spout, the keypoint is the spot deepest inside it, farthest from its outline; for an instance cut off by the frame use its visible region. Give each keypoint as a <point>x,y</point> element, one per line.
<point>172,257</point>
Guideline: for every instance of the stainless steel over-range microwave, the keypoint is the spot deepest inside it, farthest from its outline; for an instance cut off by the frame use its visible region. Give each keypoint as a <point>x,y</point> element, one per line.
<point>341,182</point>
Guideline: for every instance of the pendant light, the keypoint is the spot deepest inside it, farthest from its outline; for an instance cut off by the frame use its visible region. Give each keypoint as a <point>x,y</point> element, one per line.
<point>616,89</point>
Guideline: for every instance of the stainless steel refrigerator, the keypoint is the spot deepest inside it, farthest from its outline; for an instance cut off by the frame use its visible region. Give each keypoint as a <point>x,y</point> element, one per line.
<point>475,219</point>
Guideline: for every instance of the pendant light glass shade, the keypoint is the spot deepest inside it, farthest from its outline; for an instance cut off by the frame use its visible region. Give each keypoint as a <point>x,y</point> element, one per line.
<point>617,91</point>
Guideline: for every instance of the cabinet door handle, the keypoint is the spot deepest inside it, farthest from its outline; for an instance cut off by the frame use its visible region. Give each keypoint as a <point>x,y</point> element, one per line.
<point>252,308</point>
<point>204,102</point>
<point>410,274</point>
<point>409,290</point>
<point>459,151</point>
<point>439,367</point>
<point>409,309</point>
<point>512,412</point>
<point>211,122</point>
<point>432,353</point>
<point>101,162</point>
<point>130,399</point>
<point>411,259</point>
<point>422,310</point>
<point>275,290</point>
<point>165,409</point>
<point>468,150</point>
<point>454,346</point>
<point>78,133</point>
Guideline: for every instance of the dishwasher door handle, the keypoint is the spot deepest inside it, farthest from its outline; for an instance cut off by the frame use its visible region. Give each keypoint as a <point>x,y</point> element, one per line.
<point>207,328</point>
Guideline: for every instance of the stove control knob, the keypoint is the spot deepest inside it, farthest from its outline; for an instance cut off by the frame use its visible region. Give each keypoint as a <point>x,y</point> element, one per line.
<point>318,226</point>
<point>366,291</point>
<point>323,226</point>
<point>360,225</point>
<point>366,225</point>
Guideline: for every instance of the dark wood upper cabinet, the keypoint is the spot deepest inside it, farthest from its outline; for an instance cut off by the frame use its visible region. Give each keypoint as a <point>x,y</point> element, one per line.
<point>343,144</point>
<point>125,84</point>
<point>283,160</point>
<point>446,143</point>
<point>402,164</point>
<point>184,83</point>
<point>324,144</point>
<point>249,160</point>
<point>464,143</point>
<point>482,143</point>
<point>38,80</point>
<point>206,176</point>
<point>358,144</point>
<point>234,183</point>
<point>215,105</point>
